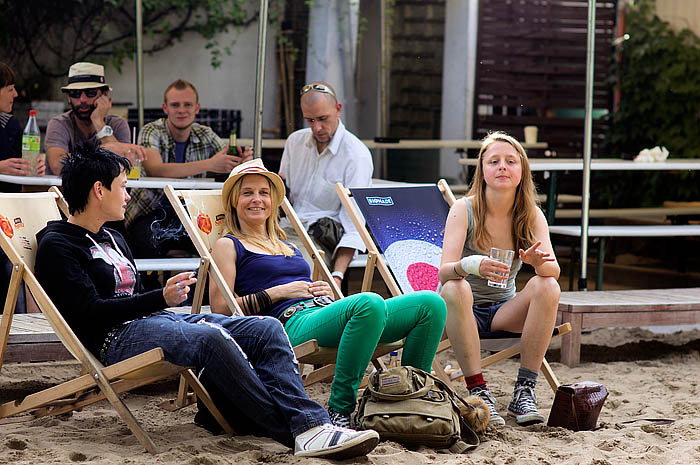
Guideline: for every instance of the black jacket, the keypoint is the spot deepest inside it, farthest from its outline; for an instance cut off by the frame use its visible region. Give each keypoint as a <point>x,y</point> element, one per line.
<point>92,280</point>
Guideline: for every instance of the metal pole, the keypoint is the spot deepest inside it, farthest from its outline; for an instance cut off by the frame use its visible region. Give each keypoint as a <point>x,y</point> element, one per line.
<point>139,61</point>
<point>587,135</point>
<point>260,79</point>
<point>383,85</point>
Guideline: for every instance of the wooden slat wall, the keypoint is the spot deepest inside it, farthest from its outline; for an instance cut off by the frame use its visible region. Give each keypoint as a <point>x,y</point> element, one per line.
<point>532,61</point>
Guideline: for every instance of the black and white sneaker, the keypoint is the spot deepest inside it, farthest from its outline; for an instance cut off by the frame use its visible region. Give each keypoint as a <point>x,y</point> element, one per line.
<point>485,394</point>
<point>523,407</point>
<point>339,419</point>
<point>335,442</point>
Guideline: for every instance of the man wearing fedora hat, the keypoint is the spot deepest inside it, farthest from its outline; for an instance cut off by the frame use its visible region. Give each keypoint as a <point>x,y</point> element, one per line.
<point>314,160</point>
<point>88,118</point>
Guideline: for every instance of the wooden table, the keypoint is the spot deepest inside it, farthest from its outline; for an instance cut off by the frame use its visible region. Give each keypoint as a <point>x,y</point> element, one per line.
<point>144,182</point>
<point>401,144</point>
<point>632,308</point>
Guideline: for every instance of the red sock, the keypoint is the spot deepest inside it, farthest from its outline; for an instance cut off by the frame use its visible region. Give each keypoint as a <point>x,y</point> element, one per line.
<point>475,380</point>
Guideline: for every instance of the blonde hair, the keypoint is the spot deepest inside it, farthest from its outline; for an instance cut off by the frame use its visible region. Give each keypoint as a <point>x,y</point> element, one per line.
<point>525,203</point>
<point>275,233</point>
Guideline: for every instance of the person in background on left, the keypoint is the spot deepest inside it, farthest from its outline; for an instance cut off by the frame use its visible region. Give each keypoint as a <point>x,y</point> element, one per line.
<point>182,148</point>
<point>11,162</point>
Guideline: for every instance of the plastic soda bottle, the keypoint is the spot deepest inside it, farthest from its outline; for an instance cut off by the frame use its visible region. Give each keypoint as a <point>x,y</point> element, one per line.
<point>232,150</point>
<point>394,359</point>
<point>31,141</point>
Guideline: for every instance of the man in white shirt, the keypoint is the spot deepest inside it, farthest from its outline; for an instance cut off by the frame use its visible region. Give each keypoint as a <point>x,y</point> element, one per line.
<point>314,160</point>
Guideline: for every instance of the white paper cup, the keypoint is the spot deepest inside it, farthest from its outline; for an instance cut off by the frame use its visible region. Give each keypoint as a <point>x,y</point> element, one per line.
<point>530,134</point>
<point>503,256</point>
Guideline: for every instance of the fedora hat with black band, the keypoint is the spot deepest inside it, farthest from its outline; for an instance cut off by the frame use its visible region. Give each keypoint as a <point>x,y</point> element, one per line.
<point>86,76</point>
<point>254,166</point>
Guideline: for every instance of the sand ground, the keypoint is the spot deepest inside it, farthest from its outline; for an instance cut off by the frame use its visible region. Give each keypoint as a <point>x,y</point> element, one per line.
<point>649,376</point>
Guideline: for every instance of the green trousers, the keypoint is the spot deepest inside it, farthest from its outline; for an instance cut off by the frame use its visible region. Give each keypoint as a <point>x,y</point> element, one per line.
<point>356,324</point>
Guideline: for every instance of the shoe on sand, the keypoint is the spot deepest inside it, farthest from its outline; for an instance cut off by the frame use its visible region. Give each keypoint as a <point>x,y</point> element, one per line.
<point>335,442</point>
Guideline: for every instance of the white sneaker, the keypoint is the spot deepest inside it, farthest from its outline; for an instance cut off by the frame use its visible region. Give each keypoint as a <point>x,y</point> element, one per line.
<point>335,442</point>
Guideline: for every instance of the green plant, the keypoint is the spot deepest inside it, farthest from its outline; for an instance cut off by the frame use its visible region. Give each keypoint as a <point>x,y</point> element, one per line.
<point>657,71</point>
<point>41,36</point>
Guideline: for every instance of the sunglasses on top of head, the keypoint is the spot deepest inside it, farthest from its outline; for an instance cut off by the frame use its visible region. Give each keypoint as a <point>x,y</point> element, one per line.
<point>89,93</point>
<point>318,88</point>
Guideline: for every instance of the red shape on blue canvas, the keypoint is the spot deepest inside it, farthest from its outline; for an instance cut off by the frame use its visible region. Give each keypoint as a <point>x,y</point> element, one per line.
<point>422,276</point>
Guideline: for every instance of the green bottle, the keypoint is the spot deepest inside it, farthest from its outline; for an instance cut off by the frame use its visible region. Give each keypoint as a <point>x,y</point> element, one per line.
<point>232,150</point>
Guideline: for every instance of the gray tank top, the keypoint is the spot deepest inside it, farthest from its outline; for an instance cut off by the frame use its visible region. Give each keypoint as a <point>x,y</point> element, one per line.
<point>482,292</point>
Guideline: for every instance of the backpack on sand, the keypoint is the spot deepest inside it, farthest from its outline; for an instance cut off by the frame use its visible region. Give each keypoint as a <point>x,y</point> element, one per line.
<point>412,407</point>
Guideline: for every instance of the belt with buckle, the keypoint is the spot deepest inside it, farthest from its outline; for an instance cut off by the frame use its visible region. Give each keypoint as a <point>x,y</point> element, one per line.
<point>108,342</point>
<point>321,301</point>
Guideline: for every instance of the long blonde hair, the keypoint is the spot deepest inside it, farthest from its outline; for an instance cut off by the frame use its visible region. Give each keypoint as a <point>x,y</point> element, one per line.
<point>525,203</point>
<point>275,234</point>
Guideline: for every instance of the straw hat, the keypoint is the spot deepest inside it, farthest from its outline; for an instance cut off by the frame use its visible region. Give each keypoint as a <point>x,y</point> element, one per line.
<point>254,166</point>
<point>86,76</point>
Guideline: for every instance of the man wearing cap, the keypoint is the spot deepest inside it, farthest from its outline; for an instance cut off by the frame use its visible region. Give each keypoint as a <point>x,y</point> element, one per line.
<point>88,118</point>
<point>314,160</point>
<point>183,148</point>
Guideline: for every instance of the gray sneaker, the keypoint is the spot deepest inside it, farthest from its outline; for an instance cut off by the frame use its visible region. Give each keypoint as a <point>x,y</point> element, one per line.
<point>523,407</point>
<point>485,394</point>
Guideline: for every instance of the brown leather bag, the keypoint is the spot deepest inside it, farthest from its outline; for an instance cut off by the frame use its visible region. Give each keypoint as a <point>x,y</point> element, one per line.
<point>577,406</point>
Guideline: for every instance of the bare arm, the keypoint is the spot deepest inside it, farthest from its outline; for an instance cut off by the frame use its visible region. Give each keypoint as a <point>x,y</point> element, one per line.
<point>218,163</point>
<point>343,257</point>
<point>452,245</point>
<point>54,158</point>
<point>541,254</point>
<point>224,254</point>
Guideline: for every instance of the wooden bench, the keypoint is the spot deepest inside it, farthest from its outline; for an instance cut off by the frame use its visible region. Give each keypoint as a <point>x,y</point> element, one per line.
<point>603,232</point>
<point>631,308</point>
<point>662,212</point>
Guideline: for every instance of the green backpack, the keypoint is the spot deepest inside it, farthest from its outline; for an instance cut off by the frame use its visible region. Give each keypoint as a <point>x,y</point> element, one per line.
<point>412,407</point>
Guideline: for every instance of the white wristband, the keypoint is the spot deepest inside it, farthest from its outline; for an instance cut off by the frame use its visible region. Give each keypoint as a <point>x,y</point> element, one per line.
<point>471,264</point>
<point>338,274</point>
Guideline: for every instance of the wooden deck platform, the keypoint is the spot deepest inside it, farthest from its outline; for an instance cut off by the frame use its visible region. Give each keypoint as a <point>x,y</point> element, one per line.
<point>32,339</point>
<point>629,308</point>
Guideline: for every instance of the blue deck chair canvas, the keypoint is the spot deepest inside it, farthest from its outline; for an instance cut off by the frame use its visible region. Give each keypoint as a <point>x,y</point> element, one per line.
<point>403,230</point>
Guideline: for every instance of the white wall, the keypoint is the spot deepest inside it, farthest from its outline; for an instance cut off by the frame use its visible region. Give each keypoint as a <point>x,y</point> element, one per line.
<point>458,76</point>
<point>680,13</point>
<point>231,86</point>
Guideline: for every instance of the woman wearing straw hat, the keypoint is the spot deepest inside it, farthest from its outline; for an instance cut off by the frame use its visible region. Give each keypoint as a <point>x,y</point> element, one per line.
<point>272,278</point>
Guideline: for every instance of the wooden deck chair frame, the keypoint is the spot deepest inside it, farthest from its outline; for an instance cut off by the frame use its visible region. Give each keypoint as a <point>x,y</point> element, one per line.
<point>309,352</point>
<point>97,382</point>
<point>504,348</point>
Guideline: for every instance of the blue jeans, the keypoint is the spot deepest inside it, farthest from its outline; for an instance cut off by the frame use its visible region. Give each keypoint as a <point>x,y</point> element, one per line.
<point>247,363</point>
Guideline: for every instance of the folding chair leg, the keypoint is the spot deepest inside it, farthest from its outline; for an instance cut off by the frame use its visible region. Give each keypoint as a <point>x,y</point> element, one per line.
<point>183,399</point>
<point>369,271</point>
<point>549,374</point>
<point>321,374</point>
<point>199,288</point>
<point>440,372</point>
<point>125,413</point>
<point>201,391</point>
<point>9,309</point>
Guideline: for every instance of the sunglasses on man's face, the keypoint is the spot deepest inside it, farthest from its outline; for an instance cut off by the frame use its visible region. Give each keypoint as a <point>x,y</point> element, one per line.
<point>89,93</point>
<point>317,88</point>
